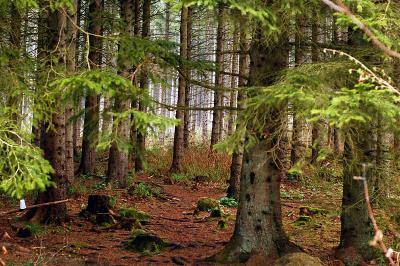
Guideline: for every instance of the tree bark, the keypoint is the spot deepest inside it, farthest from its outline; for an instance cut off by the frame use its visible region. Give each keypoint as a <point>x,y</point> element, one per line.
<point>258,229</point>
<point>216,131</point>
<point>71,34</point>
<point>54,137</point>
<point>119,157</point>
<point>237,156</point>
<point>186,130</point>
<point>234,66</point>
<point>92,104</point>
<point>144,83</point>
<point>178,148</point>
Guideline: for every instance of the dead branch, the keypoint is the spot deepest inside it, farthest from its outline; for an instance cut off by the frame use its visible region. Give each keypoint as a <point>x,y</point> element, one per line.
<point>34,206</point>
<point>340,7</point>
<point>391,255</point>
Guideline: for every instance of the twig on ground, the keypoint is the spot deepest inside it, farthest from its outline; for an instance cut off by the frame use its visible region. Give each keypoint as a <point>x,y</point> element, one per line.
<point>34,206</point>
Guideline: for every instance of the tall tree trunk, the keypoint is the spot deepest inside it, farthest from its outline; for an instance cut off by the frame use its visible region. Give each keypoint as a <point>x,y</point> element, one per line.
<point>297,151</point>
<point>71,62</point>
<point>258,229</point>
<point>237,156</point>
<point>180,113</point>
<point>165,91</point>
<point>216,131</point>
<point>234,66</point>
<point>186,130</point>
<point>144,83</point>
<point>316,127</point>
<point>54,137</point>
<point>118,158</point>
<point>92,104</point>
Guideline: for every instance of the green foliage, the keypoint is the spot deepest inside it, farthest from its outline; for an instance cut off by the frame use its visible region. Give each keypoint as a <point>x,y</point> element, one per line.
<point>133,213</point>
<point>22,166</point>
<point>141,190</point>
<point>228,202</point>
<point>99,185</point>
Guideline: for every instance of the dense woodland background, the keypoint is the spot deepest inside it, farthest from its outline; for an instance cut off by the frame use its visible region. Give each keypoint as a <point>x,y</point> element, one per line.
<point>250,97</point>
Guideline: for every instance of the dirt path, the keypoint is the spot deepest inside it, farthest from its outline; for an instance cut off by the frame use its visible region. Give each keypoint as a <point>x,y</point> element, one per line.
<point>197,237</point>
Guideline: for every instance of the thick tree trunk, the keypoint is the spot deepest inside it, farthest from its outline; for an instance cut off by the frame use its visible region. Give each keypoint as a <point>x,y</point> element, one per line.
<point>258,228</point>
<point>216,131</point>
<point>54,138</point>
<point>237,156</point>
<point>180,113</point>
<point>119,157</point>
<point>91,121</point>
<point>356,229</point>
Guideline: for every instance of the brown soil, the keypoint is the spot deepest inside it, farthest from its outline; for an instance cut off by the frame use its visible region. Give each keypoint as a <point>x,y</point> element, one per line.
<point>82,243</point>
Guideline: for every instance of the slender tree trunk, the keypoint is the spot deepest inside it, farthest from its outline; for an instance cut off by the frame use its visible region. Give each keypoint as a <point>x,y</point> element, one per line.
<point>69,129</point>
<point>180,113</point>
<point>237,156</point>
<point>77,140</point>
<point>234,66</point>
<point>118,159</point>
<point>258,229</point>
<point>168,79</point>
<point>144,83</point>
<point>186,130</point>
<point>297,151</point>
<point>316,127</point>
<point>216,130</point>
<point>92,104</point>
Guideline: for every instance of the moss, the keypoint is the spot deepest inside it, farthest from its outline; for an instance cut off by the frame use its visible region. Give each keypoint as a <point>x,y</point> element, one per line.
<point>207,204</point>
<point>302,220</point>
<point>134,214</point>
<point>145,243</point>
<point>310,211</point>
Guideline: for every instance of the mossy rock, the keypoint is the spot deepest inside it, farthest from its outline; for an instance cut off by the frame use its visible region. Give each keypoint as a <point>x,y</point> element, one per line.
<point>310,211</point>
<point>146,243</point>
<point>134,214</point>
<point>207,204</point>
<point>104,219</point>
<point>298,259</point>
<point>303,220</point>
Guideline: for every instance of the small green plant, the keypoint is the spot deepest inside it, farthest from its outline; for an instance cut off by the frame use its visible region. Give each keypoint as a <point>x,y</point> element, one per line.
<point>179,178</point>
<point>228,202</point>
<point>98,186</point>
<point>142,191</point>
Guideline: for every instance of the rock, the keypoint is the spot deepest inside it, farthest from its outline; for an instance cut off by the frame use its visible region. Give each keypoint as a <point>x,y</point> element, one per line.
<point>206,204</point>
<point>298,259</point>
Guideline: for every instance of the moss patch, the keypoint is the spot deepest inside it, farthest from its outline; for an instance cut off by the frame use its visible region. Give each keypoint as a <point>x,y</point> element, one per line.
<point>207,204</point>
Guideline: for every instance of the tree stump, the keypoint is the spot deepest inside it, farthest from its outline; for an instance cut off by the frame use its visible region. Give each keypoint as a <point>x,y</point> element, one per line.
<point>98,204</point>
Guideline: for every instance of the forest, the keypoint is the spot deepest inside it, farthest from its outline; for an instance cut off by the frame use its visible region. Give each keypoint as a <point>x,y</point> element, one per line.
<point>199,132</point>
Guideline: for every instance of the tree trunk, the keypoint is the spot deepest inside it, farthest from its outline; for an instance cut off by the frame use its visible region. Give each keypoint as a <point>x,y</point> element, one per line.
<point>186,130</point>
<point>54,137</point>
<point>91,121</point>
<point>297,151</point>
<point>237,156</point>
<point>216,130</point>
<point>258,229</point>
<point>71,63</point>
<point>118,158</point>
<point>316,127</point>
<point>356,228</point>
<point>180,113</point>
<point>234,66</point>
<point>144,83</point>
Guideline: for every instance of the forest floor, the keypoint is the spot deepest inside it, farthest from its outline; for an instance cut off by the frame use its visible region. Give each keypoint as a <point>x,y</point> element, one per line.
<point>80,242</point>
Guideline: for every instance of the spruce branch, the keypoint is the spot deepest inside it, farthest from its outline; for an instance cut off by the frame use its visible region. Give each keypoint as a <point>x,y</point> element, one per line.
<point>340,7</point>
